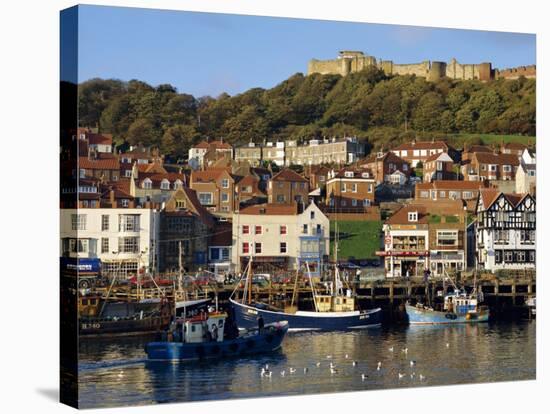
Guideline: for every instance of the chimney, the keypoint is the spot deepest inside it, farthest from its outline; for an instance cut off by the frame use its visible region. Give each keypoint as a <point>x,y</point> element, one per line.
<point>112,197</point>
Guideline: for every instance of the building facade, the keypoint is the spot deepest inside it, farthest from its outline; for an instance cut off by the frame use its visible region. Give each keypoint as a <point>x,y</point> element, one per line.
<point>505,231</point>
<point>287,186</point>
<point>350,189</point>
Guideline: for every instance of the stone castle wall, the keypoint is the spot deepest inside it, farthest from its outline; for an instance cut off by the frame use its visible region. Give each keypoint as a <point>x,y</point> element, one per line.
<point>351,61</point>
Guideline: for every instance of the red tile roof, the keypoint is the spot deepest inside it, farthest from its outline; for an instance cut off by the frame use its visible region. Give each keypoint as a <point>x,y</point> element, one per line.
<point>287,174</point>
<point>497,159</point>
<point>422,145</point>
<point>99,164</point>
<point>271,209</point>
<point>451,185</point>
<point>99,139</point>
<point>401,216</point>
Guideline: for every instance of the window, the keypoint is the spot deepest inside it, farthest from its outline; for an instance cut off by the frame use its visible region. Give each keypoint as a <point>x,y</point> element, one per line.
<point>246,248</point>
<point>439,165</point>
<point>225,197</point>
<point>282,247</point>
<point>225,183</point>
<point>128,222</point>
<point>354,188</point>
<point>508,256</point>
<point>366,202</point>
<point>304,229</point>
<point>128,244</point>
<point>205,198</point>
<point>349,174</point>
<point>424,194</point>
<point>520,256</point>
<point>180,204</point>
<point>370,188</point>
<point>147,184</point>
<point>527,236</point>
<point>447,238</point>
<point>258,248</point>
<point>82,172</point>
<point>312,215</point>
<point>492,167</point>
<point>178,224</point>
<point>506,168</point>
<point>354,202</point>
<point>78,221</point>
<point>178,184</point>
<point>413,216</point>
<point>257,229</point>
<point>343,203</point>
<point>282,229</point>
<point>532,256</point>
<point>78,245</point>
<point>246,229</point>
<point>165,185</point>
<point>442,194</point>
<point>343,187</point>
<point>214,253</point>
<point>319,229</point>
<point>104,245</point>
<point>124,202</point>
<point>498,256</point>
<point>466,195</point>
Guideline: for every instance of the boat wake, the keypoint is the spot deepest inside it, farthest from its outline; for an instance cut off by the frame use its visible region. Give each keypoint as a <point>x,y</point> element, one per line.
<point>97,365</point>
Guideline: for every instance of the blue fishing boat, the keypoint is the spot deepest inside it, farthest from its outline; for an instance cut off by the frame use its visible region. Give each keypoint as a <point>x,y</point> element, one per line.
<point>458,307</point>
<point>204,337</point>
<point>333,311</point>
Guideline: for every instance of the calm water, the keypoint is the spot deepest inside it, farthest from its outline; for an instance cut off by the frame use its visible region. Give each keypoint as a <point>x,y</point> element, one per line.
<point>115,372</point>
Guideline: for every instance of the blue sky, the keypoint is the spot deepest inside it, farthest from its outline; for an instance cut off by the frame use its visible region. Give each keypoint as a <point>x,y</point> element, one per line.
<point>206,54</point>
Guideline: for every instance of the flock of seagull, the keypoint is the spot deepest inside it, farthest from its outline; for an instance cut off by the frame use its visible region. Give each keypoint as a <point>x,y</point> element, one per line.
<point>267,373</point>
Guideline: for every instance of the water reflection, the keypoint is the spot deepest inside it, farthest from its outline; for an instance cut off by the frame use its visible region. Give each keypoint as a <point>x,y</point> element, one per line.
<point>115,372</point>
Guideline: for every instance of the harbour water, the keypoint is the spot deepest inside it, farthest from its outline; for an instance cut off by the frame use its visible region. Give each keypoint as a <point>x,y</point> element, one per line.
<point>115,371</point>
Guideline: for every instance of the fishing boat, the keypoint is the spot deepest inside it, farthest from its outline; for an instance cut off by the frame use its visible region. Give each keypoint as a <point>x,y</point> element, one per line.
<point>98,316</point>
<point>458,307</point>
<point>204,336</point>
<point>334,310</point>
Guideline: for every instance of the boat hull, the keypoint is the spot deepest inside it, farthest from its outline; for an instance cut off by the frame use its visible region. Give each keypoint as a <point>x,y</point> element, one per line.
<point>268,340</point>
<point>247,317</point>
<point>420,316</point>
<point>126,326</point>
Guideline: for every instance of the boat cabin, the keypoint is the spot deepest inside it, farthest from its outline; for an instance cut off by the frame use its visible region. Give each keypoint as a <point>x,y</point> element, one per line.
<point>88,305</point>
<point>205,327</point>
<point>337,303</point>
<point>460,303</point>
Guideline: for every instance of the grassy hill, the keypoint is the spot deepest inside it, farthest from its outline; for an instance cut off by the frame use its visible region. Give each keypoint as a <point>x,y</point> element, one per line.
<point>358,239</point>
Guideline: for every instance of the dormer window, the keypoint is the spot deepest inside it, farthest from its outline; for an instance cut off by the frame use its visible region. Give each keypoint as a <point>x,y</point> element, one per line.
<point>178,184</point>
<point>413,216</point>
<point>349,174</point>
<point>365,175</point>
<point>165,184</point>
<point>147,184</point>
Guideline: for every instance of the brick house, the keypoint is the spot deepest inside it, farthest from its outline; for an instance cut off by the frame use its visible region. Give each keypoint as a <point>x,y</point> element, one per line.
<point>287,186</point>
<point>105,167</point>
<point>490,166</point>
<point>438,167</point>
<point>350,189</point>
<point>515,148</point>
<point>317,176</point>
<point>419,151</point>
<point>383,165</point>
<point>215,190</point>
<point>444,190</point>
<point>184,229</point>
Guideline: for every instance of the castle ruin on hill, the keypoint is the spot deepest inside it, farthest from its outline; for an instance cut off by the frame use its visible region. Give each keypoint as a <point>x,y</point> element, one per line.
<point>353,61</point>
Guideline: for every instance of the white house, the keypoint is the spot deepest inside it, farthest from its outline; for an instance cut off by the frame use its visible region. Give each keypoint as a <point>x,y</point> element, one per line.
<point>505,231</point>
<point>123,239</point>
<point>526,174</point>
<point>280,235</point>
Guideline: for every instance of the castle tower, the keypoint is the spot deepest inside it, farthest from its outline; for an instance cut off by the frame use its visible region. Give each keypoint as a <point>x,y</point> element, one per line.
<point>437,71</point>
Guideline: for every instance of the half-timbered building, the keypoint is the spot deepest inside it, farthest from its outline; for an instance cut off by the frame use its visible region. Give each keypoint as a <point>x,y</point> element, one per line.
<point>505,231</point>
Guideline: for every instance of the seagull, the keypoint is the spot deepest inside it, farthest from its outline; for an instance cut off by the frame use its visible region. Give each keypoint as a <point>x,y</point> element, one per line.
<point>422,377</point>
<point>405,350</point>
<point>267,367</point>
<point>333,370</point>
<point>283,373</point>
<point>318,364</point>
<point>332,365</point>
<point>354,363</point>
<point>263,372</point>
<point>412,375</point>
<point>292,370</point>
<point>305,370</point>
<point>378,366</point>
<point>346,356</point>
<point>329,356</point>
<point>447,345</point>
<point>413,363</point>
<point>390,349</point>
<point>268,374</point>
<point>364,377</point>
<point>401,375</point>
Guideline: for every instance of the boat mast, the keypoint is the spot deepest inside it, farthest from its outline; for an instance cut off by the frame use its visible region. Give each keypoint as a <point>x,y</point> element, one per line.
<point>296,286</point>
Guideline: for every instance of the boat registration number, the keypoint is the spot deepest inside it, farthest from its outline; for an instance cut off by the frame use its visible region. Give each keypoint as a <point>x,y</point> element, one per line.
<point>364,317</point>
<point>91,325</point>
<point>252,311</point>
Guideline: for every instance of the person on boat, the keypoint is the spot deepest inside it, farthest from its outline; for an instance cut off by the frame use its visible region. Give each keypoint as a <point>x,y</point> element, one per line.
<point>407,274</point>
<point>214,333</point>
<point>261,323</point>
